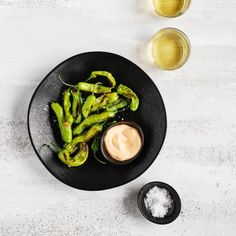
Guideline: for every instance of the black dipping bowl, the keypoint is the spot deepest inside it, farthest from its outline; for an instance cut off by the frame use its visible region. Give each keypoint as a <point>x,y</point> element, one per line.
<point>173,211</point>
<point>106,153</point>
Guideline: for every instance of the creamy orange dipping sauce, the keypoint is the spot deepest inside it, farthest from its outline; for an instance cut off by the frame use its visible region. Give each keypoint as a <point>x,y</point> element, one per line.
<point>122,142</point>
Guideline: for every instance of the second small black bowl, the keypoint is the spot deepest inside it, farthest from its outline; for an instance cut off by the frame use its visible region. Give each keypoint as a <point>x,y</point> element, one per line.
<point>173,211</point>
<point>103,146</point>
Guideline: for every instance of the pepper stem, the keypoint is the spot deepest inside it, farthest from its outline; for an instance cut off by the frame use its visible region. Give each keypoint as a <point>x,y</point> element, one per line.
<point>69,85</point>
<point>49,146</point>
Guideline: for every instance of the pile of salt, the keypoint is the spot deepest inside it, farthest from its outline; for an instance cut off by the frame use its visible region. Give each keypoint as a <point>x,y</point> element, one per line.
<point>158,201</point>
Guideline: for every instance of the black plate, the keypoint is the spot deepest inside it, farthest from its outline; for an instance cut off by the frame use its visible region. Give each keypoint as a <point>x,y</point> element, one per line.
<point>173,211</point>
<point>151,117</point>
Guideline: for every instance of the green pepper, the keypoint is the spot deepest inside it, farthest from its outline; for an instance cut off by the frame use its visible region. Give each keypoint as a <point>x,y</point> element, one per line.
<point>79,158</point>
<point>88,105</point>
<point>64,125</point>
<point>129,94</point>
<point>86,137</point>
<point>106,74</point>
<point>78,119</point>
<point>67,106</point>
<point>92,119</point>
<point>104,100</point>
<point>93,88</point>
<point>95,147</point>
<point>76,105</point>
<point>118,104</point>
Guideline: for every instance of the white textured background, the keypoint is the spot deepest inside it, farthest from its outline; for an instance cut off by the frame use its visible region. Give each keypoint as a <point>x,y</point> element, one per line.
<point>199,154</point>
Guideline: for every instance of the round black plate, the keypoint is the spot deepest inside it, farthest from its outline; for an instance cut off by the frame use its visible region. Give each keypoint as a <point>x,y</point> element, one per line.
<point>151,117</point>
<point>173,211</point>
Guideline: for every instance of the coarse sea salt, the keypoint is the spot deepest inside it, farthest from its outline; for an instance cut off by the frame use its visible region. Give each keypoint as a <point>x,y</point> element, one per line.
<point>158,201</point>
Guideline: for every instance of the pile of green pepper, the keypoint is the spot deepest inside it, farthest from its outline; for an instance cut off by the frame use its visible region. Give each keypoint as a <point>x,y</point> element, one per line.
<point>81,118</point>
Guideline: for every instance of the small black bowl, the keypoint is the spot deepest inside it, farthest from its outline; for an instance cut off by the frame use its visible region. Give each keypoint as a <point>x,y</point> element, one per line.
<point>173,211</point>
<point>103,146</point>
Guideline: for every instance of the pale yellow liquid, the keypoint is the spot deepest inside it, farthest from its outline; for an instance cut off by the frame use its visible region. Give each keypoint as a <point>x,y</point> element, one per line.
<point>169,49</point>
<point>170,8</point>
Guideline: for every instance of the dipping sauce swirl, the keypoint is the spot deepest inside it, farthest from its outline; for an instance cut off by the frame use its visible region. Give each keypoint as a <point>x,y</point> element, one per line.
<point>122,142</point>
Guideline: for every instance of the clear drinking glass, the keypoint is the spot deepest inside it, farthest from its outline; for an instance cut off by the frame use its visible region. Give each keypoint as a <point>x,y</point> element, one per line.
<point>169,49</point>
<point>170,8</point>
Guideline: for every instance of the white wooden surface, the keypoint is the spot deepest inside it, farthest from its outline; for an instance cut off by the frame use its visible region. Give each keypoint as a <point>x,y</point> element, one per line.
<point>198,157</point>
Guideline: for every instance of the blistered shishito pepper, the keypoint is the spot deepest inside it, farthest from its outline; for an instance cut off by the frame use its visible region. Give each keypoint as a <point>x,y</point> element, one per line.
<point>91,120</point>
<point>106,74</point>
<point>86,137</point>
<point>76,105</point>
<point>78,159</point>
<point>93,88</point>
<point>64,125</point>
<point>95,147</point>
<point>88,105</point>
<point>67,106</point>
<point>117,105</point>
<point>129,94</point>
<point>104,100</point>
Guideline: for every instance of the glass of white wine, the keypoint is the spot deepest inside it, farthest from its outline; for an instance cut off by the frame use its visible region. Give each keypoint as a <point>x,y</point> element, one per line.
<point>170,8</point>
<point>169,49</point>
